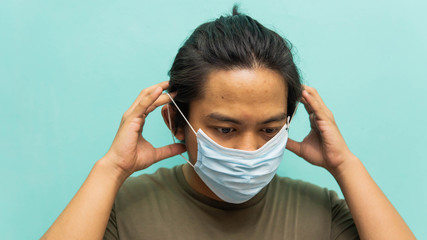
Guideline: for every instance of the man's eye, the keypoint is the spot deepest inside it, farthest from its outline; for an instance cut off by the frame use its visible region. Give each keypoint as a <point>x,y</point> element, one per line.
<point>225,130</point>
<point>269,130</point>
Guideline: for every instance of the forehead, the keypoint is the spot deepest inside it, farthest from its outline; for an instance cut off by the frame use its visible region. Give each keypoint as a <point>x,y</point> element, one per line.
<point>257,88</point>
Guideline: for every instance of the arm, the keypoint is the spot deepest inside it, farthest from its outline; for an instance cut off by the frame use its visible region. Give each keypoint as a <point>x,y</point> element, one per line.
<point>374,215</point>
<point>87,214</point>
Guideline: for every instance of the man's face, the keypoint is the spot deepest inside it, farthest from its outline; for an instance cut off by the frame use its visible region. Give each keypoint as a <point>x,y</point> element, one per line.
<point>240,109</point>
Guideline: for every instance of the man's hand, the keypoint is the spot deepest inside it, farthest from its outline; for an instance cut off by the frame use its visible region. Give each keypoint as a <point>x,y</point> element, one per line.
<point>130,151</point>
<point>324,145</point>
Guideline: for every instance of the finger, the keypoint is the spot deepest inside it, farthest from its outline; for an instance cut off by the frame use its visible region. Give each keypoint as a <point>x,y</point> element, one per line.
<point>313,120</point>
<point>147,91</point>
<point>164,85</point>
<point>294,146</point>
<point>169,151</point>
<point>306,106</point>
<point>313,92</point>
<point>163,99</point>
<point>313,103</point>
<point>141,109</point>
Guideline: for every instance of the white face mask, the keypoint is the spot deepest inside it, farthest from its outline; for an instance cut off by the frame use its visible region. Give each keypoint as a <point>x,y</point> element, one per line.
<point>236,175</point>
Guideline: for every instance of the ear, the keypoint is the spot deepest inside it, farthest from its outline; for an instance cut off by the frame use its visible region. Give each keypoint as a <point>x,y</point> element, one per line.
<point>165,113</point>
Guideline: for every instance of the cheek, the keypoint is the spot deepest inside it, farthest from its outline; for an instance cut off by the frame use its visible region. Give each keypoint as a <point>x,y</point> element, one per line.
<point>191,145</point>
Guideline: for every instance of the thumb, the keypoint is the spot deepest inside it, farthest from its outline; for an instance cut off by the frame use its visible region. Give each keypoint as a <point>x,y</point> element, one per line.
<point>294,146</point>
<point>169,151</point>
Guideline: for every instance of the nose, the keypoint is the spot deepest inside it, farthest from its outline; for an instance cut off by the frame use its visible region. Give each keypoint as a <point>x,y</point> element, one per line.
<point>248,142</point>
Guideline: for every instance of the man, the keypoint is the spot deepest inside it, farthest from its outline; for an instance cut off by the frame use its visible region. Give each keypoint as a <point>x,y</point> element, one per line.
<point>233,89</point>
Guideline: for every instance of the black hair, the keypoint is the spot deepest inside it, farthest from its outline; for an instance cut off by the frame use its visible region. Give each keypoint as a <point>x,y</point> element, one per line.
<point>229,42</point>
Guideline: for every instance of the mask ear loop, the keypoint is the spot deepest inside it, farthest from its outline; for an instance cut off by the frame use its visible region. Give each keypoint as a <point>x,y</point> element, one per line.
<point>181,113</point>
<point>293,114</point>
<point>170,126</point>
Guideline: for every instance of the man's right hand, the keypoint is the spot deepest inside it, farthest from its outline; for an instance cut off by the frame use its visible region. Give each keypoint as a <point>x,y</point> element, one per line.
<point>130,152</point>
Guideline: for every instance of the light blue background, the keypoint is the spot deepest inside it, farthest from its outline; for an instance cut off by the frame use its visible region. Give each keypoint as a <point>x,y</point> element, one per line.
<point>69,70</point>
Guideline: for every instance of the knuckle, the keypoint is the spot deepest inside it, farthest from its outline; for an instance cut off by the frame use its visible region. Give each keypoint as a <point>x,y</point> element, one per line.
<point>125,115</point>
<point>308,88</point>
<point>142,94</point>
<point>155,105</point>
<point>122,121</point>
<point>141,103</point>
<point>150,109</point>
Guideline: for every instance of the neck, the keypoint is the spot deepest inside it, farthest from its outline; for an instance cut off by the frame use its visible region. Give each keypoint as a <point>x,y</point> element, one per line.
<point>196,183</point>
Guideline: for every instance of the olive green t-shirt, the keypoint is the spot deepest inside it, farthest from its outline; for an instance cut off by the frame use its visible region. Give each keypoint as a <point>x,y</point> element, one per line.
<point>164,206</point>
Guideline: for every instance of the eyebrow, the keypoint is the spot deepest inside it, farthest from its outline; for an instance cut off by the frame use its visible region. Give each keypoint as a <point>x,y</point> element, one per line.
<point>220,117</point>
<point>276,118</point>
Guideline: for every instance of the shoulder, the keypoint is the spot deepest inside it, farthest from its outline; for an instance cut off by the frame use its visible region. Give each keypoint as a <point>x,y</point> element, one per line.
<point>304,194</point>
<point>145,184</point>
<point>291,186</point>
<point>159,175</point>
<point>310,205</point>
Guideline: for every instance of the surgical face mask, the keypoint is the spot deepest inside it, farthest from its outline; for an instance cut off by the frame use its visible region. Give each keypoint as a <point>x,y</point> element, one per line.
<point>236,175</point>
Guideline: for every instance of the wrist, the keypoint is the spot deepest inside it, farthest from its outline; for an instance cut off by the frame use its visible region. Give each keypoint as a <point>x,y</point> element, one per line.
<point>350,161</point>
<point>106,164</point>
